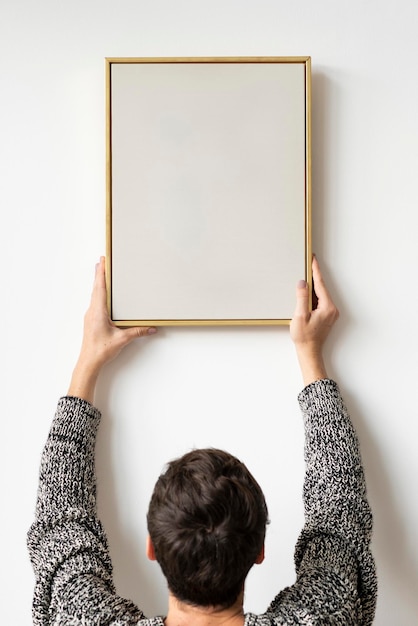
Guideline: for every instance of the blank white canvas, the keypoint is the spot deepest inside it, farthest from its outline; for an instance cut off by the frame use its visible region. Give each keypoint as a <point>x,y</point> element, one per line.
<point>208,190</point>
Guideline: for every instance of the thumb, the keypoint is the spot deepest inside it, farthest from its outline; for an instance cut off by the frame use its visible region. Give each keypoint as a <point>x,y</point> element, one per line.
<point>302,299</point>
<point>129,334</point>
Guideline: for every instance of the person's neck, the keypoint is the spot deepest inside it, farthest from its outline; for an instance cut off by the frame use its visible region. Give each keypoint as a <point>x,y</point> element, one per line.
<point>181,614</point>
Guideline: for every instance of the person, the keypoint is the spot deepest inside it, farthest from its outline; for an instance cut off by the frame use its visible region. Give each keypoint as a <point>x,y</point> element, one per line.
<point>207,516</point>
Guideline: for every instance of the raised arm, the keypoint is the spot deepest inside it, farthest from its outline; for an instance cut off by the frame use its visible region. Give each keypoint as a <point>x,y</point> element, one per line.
<point>336,579</point>
<point>67,544</point>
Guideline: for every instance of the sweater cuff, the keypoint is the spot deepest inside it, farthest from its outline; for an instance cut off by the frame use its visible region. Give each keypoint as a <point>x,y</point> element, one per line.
<point>316,394</point>
<point>74,416</point>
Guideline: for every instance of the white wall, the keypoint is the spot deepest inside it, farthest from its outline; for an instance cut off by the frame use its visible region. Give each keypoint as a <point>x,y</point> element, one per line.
<point>233,388</point>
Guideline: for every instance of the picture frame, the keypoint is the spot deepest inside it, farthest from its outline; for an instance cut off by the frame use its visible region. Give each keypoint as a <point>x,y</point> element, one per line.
<point>208,189</point>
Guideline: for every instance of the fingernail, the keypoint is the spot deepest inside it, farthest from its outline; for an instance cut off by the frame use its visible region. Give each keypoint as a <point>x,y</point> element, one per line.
<point>302,284</point>
<point>151,331</point>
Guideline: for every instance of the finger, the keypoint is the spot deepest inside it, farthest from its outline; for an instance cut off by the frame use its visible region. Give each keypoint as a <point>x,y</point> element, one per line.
<point>302,299</point>
<point>319,284</point>
<point>326,304</point>
<point>101,272</point>
<point>98,296</point>
<point>138,331</point>
<point>145,330</point>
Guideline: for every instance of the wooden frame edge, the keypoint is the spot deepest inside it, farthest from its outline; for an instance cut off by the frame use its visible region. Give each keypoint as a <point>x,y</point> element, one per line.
<point>306,60</point>
<point>108,188</point>
<point>308,176</point>
<point>234,59</point>
<point>214,322</point>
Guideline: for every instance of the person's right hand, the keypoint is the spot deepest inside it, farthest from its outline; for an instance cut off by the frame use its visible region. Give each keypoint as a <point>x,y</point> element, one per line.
<point>309,329</point>
<point>102,340</point>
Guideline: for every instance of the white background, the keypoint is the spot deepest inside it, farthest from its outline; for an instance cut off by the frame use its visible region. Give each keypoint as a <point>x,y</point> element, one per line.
<point>233,388</point>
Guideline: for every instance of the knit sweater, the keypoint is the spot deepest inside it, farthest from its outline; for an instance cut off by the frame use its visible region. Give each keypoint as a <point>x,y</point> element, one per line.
<point>335,574</point>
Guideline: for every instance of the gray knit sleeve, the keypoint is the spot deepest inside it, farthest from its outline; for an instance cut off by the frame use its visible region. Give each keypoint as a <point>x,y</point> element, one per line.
<point>336,580</point>
<point>338,519</point>
<point>67,544</point>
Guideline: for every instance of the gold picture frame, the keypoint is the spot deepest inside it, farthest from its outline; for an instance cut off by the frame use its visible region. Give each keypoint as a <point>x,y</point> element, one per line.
<point>208,189</point>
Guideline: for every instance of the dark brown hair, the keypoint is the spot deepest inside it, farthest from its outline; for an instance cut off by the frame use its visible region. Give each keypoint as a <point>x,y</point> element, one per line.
<point>207,522</point>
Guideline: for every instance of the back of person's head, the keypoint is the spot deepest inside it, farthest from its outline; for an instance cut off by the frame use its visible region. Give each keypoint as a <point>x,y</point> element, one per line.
<point>207,522</point>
